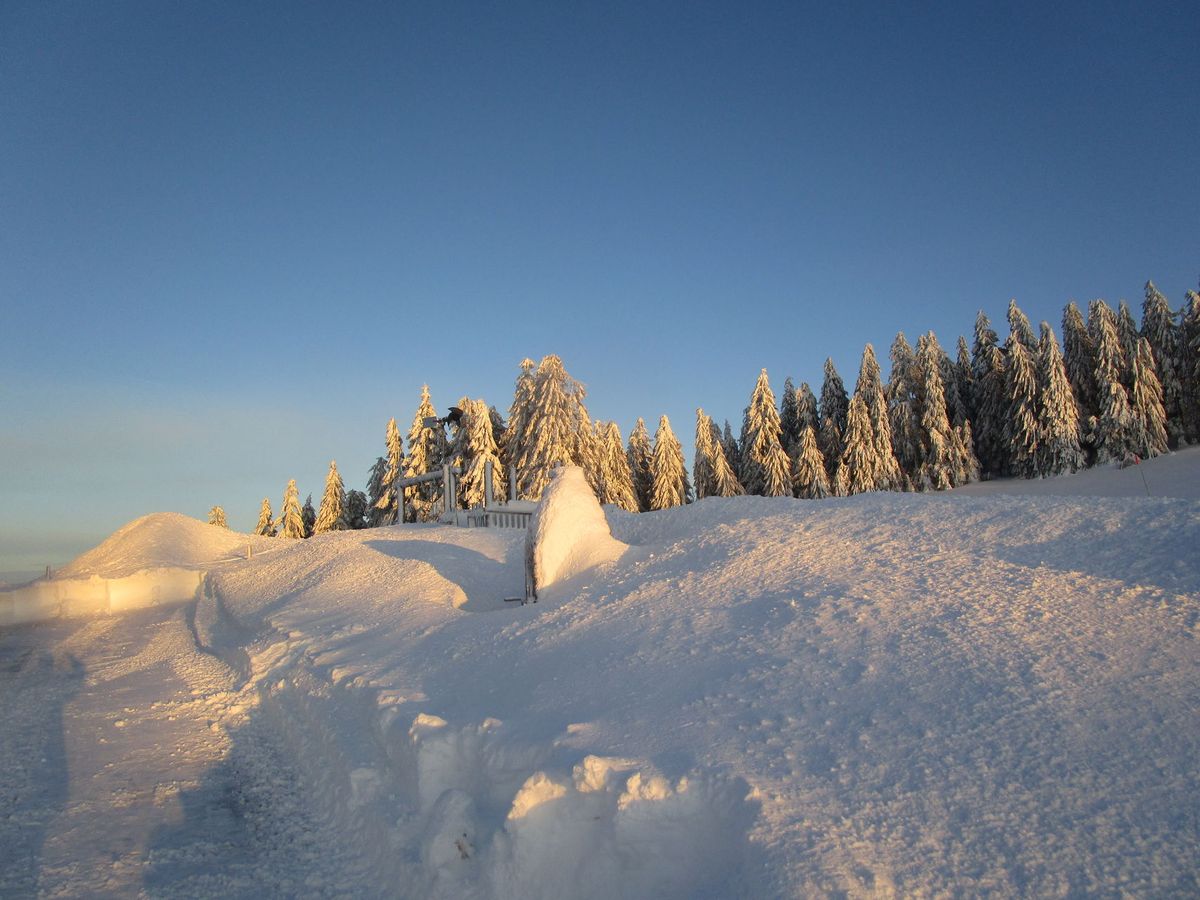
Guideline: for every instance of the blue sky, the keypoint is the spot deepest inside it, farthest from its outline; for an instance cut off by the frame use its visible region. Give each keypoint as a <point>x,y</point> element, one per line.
<point>236,238</point>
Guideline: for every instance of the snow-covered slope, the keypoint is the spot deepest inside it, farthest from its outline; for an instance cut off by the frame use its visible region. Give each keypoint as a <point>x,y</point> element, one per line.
<point>886,694</point>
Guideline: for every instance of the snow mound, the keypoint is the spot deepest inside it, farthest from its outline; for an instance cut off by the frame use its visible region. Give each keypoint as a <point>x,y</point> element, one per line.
<point>568,534</point>
<point>162,540</point>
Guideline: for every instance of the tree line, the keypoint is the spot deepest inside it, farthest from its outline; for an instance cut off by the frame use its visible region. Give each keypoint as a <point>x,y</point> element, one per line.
<point>1021,407</point>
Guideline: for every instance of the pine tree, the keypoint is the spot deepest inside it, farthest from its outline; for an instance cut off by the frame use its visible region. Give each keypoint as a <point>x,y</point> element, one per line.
<point>266,520</point>
<point>216,516</point>
<point>332,514</point>
<point>291,519</point>
<point>834,407</point>
<point>1159,328</point>
<point>938,467</point>
<point>885,470</point>
<point>1146,397</point>
<point>806,410</point>
<point>1019,328</point>
<point>1127,333</point>
<point>789,417</point>
<point>711,472</point>
<point>1058,418</point>
<point>639,455</point>
<point>1079,357</point>
<point>966,380</point>
<point>388,510</point>
<point>1114,429</point>
<point>426,450</point>
<point>856,469</point>
<point>809,479</point>
<point>733,451</point>
<point>1098,313</point>
<point>479,450</point>
<point>356,509</point>
<point>766,468</point>
<point>987,363</point>
<point>587,449</point>
<point>966,465</point>
<point>375,492</point>
<point>667,472</point>
<point>308,516</point>
<point>616,479</point>
<point>518,414</point>
<point>956,406</point>
<point>1190,369</point>
<point>552,430</point>
<point>1021,426</point>
<point>902,409</point>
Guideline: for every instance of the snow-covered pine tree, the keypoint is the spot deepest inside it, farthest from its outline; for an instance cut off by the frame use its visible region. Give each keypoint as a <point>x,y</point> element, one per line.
<point>216,516</point>
<point>478,448</point>
<point>332,514</point>
<point>809,479</point>
<point>1114,428</point>
<point>987,365</point>
<point>1079,357</point>
<point>766,468</point>
<point>395,468</point>
<point>356,509</point>
<point>966,466</point>
<point>518,413</point>
<point>711,472</point>
<point>885,473</point>
<point>1098,312</point>
<point>1190,370</point>
<point>1021,425</point>
<point>1020,328</point>
<point>291,518</point>
<point>1058,418</point>
<point>374,514</point>
<point>309,516</point>
<point>1159,328</point>
<point>939,463</point>
<point>639,455</point>
<point>806,410</point>
<point>667,472</point>
<point>956,406</point>
<point>1127,332</point>
<point>266,520</point>
<point>857,467</point>
<point>789,417</point>
<point>733,452</point>
<point>1150,430</point>
<point>588,447</point>
<point>966,381</point>
<point>426,450</point>
<point>615,476</point>
<point>835,404</point>
<point>552,429</point>
<point>902,409</point>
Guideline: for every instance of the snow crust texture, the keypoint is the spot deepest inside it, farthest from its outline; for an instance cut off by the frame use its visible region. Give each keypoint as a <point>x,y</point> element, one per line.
<point>880,695</point>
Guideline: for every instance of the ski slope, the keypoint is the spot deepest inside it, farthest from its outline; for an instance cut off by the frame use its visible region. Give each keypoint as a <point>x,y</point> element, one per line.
<point>870,696</point>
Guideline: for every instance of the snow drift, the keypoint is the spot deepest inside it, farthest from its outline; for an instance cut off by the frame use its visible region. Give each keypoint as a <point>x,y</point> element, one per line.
<point>568,534</point>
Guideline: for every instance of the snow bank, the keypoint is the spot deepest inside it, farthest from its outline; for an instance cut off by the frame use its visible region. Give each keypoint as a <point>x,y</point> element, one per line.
<point>568,534</point>
<point>90,596</point>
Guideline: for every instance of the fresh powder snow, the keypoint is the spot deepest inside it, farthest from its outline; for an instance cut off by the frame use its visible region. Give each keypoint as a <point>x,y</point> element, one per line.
<point>992,690</point>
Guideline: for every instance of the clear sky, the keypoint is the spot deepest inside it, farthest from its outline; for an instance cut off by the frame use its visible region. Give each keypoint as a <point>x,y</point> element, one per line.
<point>236,237</point>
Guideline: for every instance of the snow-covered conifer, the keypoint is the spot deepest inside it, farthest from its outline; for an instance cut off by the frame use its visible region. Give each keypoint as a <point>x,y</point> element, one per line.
<point>1159,328</point>
<point>518,413</point>
<point>1115,426</point>
<point>1079,357</point>
<point>766,468</point>
<point>806,410</point>
<point>711,472</point>
<point>1190,369</point>
<point>639,454</point>
<point>966,466</point>
<point>885,471</point>
<point>291,518</point>
<point>1098,313</point>
<point>902,408</point>
<point>356,509</point>
<point>426,450</point>
<point>216,516</point>
<point>966,380</point>
<point>987,363</point>
<point>478,448</point>
<point>552,434</point>
<point>1150,419</point>
<point>588,447</point>
<point>1020,328</point>
<point>667,473</point>
<point>1021,426</point>
<point>308,515</point>
<point>789,417</point>
<point>809,478</point>
<point>835,404</point>
<point>374,515</point>
<point>1058,418</point>
<point>938,466</point>
<point>388,509</point>
<point>733,451</point>
<point>956,406</point>
<point>616,478</point>
<point>1127,333</point>
<point>857,467</point>
<point>332,514</point>
<point>266,520</point>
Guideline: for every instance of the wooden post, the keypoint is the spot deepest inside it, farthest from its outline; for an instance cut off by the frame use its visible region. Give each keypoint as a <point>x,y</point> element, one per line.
<point>487,483</point>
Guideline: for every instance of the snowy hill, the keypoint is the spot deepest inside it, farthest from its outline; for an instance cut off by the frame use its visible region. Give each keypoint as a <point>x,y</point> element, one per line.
<point>877,695</point>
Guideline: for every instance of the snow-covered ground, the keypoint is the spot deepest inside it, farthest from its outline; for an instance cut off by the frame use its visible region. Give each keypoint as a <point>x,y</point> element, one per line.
<point>886,694</point>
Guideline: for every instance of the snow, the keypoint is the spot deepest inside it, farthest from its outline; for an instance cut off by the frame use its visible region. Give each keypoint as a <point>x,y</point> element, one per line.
<point>936,694</point>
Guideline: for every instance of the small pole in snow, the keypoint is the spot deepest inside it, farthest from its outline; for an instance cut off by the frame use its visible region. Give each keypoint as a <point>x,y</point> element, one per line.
<point>1137,462</point>
<point>249,549</point>
<point>489,469</point>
